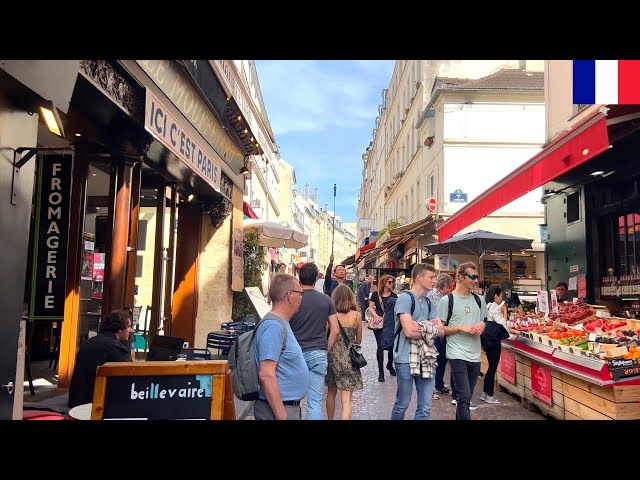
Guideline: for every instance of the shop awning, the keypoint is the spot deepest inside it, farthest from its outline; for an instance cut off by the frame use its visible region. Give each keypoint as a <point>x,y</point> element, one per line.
<point>574,147</point>
<point>363,249</point>
<point>275,235</point>
<point>248,211</point>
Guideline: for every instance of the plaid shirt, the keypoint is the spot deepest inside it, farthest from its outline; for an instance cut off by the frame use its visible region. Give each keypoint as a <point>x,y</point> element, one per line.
<point>422,354</point>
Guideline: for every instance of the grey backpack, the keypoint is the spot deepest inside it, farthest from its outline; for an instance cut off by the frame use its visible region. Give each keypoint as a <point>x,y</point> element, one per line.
<point>244,366</point>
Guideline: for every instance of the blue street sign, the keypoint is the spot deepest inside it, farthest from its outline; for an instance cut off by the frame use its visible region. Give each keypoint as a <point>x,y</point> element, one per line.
<point>458,197</point>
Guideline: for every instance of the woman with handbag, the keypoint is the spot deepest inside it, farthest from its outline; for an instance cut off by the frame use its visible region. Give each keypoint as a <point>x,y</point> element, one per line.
<point>496,309</point>
<point>376,309</point>
<point>341,374</point>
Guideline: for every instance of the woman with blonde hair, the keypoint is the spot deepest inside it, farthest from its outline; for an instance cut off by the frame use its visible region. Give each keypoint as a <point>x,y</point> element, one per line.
<point>377,304</point>
<point>341,375</point>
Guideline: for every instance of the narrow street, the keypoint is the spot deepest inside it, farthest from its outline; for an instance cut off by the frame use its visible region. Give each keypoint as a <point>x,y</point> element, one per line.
<point>376,400</point>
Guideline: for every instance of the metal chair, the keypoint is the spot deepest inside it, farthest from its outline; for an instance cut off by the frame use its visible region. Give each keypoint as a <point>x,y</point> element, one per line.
<point>197,353</point>
<point>141,335</point>
<point>244,325</point>
<point>221,342</point>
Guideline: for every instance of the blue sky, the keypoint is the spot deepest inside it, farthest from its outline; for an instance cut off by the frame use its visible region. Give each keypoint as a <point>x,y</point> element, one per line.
<point>322,113</point>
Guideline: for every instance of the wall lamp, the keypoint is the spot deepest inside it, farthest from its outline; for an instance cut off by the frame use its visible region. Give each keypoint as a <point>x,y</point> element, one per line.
<point>52,118</point>
<point>244,170</point>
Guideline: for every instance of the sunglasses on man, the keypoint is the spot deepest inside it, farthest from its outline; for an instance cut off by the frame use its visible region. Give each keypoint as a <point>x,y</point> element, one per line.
<point>472,276</point>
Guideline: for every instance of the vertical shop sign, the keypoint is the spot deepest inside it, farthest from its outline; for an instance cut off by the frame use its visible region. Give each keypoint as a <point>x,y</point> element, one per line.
<point>508,366</point>
<point>554,301</point>
<point>582,286</point>
<point>237,260</point>
<point>543,301</point>
<point>541,383</point>
<point>51,237</point>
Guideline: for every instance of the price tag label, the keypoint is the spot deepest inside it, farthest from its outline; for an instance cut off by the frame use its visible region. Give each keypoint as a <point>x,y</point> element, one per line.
<point>592,337</point>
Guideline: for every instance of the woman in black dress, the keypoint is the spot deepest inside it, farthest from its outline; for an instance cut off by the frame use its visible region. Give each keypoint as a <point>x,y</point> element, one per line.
<point>376,308</point>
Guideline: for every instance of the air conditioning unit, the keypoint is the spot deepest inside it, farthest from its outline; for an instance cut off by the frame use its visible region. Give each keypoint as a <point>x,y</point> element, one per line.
<point>397,252</point>
<point>255,203</point>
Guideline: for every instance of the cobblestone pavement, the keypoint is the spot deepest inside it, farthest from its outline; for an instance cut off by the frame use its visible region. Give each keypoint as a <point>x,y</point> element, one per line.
<point>376,400</point>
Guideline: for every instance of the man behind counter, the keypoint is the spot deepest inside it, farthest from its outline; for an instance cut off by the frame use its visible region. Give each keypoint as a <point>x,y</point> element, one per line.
<point>562,290</point>
<point>110,345</point>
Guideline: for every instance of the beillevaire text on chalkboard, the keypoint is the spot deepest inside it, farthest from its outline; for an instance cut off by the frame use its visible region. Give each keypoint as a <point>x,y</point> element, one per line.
<point>160,397</point>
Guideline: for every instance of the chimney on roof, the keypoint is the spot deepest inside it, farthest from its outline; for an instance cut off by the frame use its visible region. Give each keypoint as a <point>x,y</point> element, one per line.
<point>315,194</point>
<point>306,192</point>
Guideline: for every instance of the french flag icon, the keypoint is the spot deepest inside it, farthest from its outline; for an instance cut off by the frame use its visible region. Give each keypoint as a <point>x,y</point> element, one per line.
<point>606,82</point>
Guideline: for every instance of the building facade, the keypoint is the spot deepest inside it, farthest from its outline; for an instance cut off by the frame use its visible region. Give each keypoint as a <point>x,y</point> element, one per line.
<point>448,130</point>
<point>142,188</point>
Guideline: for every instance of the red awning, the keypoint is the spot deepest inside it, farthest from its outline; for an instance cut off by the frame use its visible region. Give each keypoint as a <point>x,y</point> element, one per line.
<point>574,147</point>
<point>248,211</point>
<point>363,249</point>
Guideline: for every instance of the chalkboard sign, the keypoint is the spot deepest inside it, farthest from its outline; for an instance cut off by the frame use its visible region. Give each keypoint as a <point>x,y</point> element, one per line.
<point>194,390</point>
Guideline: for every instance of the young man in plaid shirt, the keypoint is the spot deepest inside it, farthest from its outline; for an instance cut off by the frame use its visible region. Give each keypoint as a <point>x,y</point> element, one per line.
<point>414,326</point>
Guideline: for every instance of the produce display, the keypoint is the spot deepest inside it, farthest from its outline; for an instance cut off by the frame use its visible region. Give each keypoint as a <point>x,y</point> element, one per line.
<point>571,314</point>
<point>576,330</point>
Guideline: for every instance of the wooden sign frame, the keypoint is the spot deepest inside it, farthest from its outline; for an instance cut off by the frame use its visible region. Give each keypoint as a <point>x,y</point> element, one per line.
<point>222,404</point>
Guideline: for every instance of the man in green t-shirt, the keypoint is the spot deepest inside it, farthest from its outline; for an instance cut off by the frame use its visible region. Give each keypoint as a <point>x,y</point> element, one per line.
<point>463,335</point>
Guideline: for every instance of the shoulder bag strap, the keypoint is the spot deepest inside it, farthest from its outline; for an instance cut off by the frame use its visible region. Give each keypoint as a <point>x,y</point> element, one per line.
<point>396,336</point>
<point>450,309</point>
<point>344,334</point>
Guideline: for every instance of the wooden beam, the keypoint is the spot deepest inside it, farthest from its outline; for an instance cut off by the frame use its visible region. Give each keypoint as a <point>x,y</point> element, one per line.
<point>132,254</point>
<point>69,330</point>
<point>171,255</point>
<point>156,293</point>
<point>117,259</point>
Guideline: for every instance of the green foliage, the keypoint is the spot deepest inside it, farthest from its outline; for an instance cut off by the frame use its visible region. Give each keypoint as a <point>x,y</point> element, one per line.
<point>254,266</point>
<point>506,285</point>
<point>393,223</point>
<point>254,263</point>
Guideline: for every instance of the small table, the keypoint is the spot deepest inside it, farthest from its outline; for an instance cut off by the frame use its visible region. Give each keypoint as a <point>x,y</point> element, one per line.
<point>80,412</point>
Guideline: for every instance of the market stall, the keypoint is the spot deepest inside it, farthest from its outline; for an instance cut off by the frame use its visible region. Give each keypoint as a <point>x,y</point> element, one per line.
<point>582,364</point>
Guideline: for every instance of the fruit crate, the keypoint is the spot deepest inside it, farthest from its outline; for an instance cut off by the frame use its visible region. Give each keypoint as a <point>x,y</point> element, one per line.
<point>573,350</point>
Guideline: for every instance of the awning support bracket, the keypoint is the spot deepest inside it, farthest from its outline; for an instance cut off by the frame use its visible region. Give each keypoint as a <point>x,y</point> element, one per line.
<point>29,153</point>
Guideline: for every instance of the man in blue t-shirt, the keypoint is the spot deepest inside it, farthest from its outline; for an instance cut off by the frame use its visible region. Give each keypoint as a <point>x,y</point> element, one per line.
<point>424,279</point>
<point>282,371</point>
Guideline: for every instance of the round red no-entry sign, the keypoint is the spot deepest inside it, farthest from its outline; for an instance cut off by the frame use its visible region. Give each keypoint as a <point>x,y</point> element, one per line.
<point>431,204</point>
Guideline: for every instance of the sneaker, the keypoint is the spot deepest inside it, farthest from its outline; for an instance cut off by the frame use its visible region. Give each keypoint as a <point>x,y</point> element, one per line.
<point>491,399</point>
<point>381,377</point>
<point>472,406</point>
<point>483,396</point>
<point>392,371</point>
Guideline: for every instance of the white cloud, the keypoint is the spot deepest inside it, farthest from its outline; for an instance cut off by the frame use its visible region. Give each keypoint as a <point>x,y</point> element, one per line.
<point>311,96</point>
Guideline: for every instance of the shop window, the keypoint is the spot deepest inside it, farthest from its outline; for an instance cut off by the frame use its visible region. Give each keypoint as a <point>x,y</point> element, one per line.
<point>142,234</point>
<point>573,207</point>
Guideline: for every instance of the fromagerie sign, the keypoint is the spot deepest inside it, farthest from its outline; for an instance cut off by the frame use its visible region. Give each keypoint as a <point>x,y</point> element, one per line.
<point>51,237</point>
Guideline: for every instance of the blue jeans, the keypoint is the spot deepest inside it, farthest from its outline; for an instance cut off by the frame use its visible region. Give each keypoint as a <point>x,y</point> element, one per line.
<point>442,362</point>
<point>424,389</point>
<point>465,375</point>
<point>316,361</point>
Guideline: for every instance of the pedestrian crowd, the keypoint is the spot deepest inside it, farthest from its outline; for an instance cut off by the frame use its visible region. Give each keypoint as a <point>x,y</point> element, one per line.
<point>439,319</point>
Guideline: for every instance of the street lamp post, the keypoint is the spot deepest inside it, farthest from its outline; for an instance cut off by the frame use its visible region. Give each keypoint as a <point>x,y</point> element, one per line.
<point>334,218</point>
